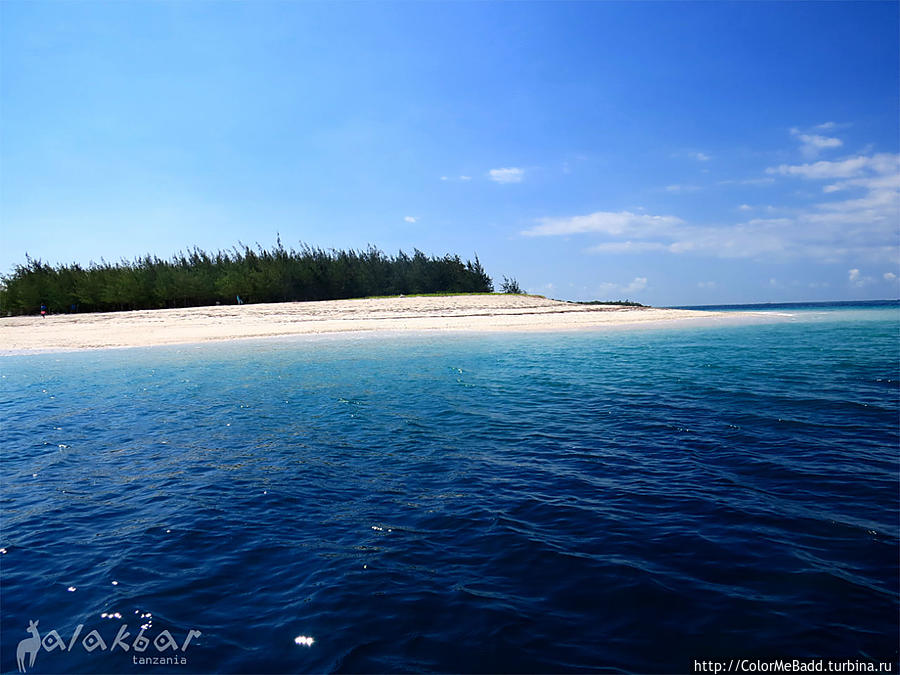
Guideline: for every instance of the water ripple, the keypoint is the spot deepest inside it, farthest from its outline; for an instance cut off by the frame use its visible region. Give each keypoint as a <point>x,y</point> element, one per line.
<point>622,502</point>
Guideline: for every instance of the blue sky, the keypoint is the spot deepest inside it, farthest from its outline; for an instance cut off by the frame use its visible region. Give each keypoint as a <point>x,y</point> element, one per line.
<point>673,153</point>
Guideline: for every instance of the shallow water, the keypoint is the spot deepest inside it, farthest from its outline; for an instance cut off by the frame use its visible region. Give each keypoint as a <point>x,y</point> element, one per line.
<point>619,500</point>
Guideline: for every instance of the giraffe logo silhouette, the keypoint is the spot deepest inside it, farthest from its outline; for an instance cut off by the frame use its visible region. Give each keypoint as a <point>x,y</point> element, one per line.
<point>30,646</point>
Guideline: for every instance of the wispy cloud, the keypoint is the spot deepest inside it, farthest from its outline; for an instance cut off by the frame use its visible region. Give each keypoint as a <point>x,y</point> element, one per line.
<point>682,188</point>
<point>861,226</point>
<point>813,144</point>
<point>606,222</point>
<point>805,235</point>
<point>854,219</point>
<point>628,232</point>
<point>608,288</point>
<point>692,154</point>
<point>857,279</point>
<point>465,177</point>
<point>507,175</point>
<point>637,284</point>
<point>410,219</point>
<point>869,214</point>
<point>845,168</point>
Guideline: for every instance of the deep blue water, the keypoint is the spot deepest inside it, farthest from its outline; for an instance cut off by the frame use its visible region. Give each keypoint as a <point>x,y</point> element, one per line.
<point>618,501</point>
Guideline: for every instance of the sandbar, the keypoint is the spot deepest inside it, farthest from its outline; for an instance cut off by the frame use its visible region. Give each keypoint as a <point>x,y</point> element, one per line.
<point>488,312</point>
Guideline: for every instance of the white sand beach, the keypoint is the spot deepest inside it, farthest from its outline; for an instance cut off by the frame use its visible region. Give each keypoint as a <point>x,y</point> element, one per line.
<point>201,324</point>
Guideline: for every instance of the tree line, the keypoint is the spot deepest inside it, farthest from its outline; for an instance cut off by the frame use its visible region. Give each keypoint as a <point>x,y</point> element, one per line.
<point>196,278</point>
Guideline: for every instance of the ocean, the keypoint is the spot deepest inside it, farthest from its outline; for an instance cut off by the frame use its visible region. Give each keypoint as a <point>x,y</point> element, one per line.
<point>644,500</point>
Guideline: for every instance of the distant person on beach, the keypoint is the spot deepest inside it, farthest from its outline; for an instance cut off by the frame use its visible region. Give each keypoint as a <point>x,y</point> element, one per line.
<point>240,302</point>
<point>43,311</point>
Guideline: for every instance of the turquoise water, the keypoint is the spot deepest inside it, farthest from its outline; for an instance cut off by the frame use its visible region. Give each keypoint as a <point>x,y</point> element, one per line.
<point>628,500</point>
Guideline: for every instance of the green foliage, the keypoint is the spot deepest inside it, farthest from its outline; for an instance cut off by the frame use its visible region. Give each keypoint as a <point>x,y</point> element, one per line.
<point>510,286</point>
<point>198,278</point>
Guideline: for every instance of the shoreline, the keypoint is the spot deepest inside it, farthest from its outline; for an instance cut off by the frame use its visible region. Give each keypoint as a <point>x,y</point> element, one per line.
<point>463,313</point>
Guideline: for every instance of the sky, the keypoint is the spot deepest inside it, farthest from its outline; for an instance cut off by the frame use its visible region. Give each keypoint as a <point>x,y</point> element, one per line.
<point>670,153</point>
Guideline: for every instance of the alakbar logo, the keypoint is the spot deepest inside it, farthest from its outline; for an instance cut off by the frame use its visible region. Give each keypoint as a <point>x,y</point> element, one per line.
<point>165,644</point>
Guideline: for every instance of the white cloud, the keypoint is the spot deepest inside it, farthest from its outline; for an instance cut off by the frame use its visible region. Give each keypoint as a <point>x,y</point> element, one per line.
<point>855,278</point>
<point>635,233</point>
<point>886,182</point>
<point>856,219</point>
<point>846,168</point>
<point>864,223</point>
<point>879,170</point>
<point>706,284</point>
<point>507,175</point>
<point>863,227</point>
<point>409,219</point>
<point>444,178</point>
<point>634,286</point>
<point>465,177</point>
<point>682,188</point>
<point>889,276</point>
<point>825,126</point>
<point>820,142</point>
<point>692,154</point>
<point>638,284</point>
<point>813,144</point>
<point>606,222</point>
